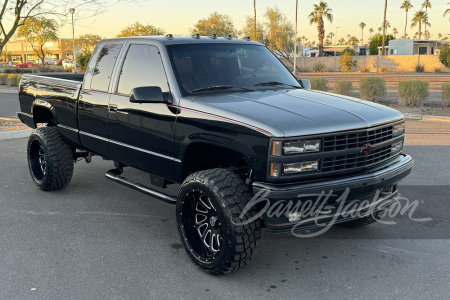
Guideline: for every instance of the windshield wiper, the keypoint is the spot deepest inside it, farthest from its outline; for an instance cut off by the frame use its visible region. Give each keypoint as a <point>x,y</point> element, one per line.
<point>219,88</point>
<point>275,83</point>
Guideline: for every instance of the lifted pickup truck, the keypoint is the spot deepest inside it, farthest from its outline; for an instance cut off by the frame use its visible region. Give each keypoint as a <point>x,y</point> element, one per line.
<point>225,119</point>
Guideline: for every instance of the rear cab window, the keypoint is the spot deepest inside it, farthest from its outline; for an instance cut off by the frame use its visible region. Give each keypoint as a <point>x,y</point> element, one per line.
<point>100,68</point>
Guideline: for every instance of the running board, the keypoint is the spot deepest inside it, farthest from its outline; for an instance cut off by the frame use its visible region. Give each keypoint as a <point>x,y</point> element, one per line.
<point>139,187</point>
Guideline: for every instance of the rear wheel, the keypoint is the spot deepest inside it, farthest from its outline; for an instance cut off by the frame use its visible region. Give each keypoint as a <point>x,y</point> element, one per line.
<point>208,218</point>
<point>50,160</point>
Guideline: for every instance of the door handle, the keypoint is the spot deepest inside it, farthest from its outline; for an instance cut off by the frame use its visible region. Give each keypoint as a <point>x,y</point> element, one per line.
<point>112,107</point>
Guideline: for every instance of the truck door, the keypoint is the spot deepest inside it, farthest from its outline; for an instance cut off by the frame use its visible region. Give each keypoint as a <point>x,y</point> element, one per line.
<point>94,97</point>
<point>142,134</point>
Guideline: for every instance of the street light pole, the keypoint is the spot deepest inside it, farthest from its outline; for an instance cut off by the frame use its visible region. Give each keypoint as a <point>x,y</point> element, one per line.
<point>295,38</point>
<point>72,11</point>
<point>335,45</point>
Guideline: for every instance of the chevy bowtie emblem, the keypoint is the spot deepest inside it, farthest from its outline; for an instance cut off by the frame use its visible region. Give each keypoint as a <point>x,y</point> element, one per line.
<point>367,149</point>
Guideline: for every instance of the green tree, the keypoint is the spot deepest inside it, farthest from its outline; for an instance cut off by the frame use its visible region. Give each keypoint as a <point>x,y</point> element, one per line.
<point>37,31</point>
<point>279,32</point>
<point>14,13</point>
<point>320,12</point>
<point>420,18</point>
<point>346,62</point>
<point>249,30</point>
<point>215,23</point>
<point>444,56</point>
<point>362,25</point>
<point>87,42</point>
<point>377,42</point>
<point>138,29</point>
<point>341,41</point>
<point>406,6</point>
<point>349,51</point>
<point>371,32</point>
<point>83,59</point>
<point>427,5</point>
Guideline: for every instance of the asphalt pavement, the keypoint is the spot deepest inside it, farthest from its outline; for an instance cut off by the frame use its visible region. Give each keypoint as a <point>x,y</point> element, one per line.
<point>99,240</point>
<point>9,102</point>
<point>96,239</point>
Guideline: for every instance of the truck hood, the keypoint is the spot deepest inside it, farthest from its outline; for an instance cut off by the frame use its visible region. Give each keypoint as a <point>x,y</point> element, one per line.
<point>294,112</point>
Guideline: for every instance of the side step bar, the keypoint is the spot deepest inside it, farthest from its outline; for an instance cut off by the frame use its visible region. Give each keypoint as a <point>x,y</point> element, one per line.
<point>139,187</point>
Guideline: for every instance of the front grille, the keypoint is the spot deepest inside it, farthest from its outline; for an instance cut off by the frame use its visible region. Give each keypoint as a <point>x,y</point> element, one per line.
<point>357,139</point>
<point>350,161</point>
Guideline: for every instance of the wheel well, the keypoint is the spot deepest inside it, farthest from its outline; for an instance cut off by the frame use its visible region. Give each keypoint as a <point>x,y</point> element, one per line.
<point>43,115</point>
<point>203,156</point>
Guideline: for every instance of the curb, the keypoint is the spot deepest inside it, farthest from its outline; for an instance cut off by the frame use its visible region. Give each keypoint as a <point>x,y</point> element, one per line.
<point>426,117</point>
<point>9,135</point>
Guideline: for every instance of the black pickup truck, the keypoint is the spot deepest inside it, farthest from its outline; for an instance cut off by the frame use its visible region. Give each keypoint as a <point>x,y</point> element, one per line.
<point>224,119</point>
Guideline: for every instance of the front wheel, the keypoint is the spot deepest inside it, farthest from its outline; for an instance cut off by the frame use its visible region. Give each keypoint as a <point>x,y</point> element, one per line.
<point>50,160</point>
<point>214,235</point>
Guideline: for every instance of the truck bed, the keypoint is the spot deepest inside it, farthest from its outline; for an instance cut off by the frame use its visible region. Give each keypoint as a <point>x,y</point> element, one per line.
<point>55,92</point>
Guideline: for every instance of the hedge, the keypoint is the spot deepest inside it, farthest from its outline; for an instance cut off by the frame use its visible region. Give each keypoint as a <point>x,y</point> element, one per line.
<point>412,93</point>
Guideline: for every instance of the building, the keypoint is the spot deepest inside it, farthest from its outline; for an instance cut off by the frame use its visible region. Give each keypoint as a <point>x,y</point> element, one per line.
<point>20,51</point>
<point>414,47</point>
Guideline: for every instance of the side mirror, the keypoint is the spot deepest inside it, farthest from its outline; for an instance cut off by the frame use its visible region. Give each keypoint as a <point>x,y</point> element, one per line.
<point>306,84</point>
<point>147,94</point>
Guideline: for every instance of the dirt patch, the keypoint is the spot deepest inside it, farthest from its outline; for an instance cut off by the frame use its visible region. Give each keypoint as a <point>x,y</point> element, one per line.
<point>12,125</point>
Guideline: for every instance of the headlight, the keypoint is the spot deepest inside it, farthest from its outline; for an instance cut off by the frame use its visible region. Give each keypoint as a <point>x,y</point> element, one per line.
<point>398,130</point>
<point>396,147</point>
<point>301,146</point>
<point>278,169</point>
<point>305,166</point>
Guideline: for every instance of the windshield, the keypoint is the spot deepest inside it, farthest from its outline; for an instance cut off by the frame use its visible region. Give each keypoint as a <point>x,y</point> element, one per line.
<point>206,68</point>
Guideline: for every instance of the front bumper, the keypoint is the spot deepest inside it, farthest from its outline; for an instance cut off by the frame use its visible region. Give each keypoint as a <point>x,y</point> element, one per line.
<point>379,185</point>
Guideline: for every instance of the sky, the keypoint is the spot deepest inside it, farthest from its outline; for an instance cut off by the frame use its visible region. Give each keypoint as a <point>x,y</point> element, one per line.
<point>178,17</point>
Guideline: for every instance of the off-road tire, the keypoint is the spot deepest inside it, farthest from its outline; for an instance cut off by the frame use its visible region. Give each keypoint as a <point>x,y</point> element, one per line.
<point>228,195</point>
<point>58,156</point>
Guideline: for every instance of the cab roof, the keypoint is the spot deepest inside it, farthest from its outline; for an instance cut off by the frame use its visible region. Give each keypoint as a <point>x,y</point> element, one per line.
<point>178,40</point>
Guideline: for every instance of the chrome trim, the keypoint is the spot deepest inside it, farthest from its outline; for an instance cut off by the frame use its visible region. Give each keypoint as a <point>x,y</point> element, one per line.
<point>131,147</point>
<point>404,165</point>
<point>27,115</point>
<point>68,128</point>
<point>94,136</point>
<point>145,151</point>
<point>139,187</point>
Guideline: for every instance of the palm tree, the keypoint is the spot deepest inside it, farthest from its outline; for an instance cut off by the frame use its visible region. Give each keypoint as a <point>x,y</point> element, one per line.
<point>341,41</point>
<point>406,6</point>
<point>254,19</point>
<point>419,18</point>
<point>394,32</point>
<point>427,5</point>
<point>371,31</point>
<point>447,12</point>
<point>384,28</point>
<point>362,25</point>
<point>320,11</point>
<point>379,29</point>
<point>439,35</point>
<point>353,40</point>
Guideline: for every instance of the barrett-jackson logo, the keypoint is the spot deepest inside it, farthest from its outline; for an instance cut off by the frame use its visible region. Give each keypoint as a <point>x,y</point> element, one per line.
<point>367,149</point>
